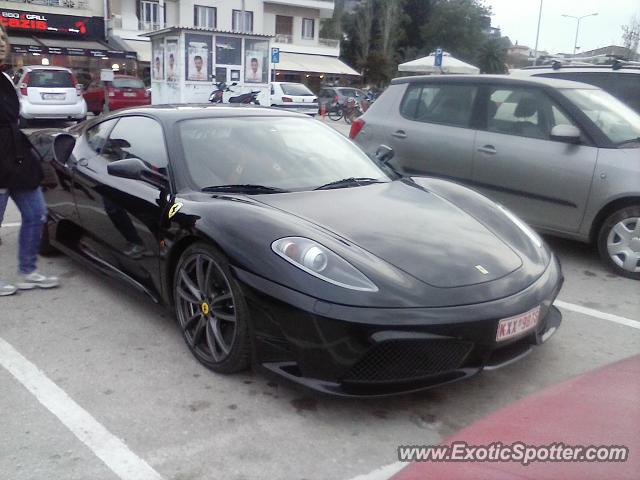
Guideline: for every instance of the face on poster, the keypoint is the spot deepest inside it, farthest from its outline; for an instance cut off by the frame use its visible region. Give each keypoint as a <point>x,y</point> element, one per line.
<point>171,63</point>
<point>197,57</point>
<point>157,55</point>
<point>256,64</point>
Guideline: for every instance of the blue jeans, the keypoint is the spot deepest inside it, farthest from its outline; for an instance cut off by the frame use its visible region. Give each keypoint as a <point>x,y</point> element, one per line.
<point>34,214</point>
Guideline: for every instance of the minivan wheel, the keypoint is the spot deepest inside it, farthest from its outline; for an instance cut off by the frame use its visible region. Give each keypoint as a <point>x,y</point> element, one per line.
<point>619,241</point>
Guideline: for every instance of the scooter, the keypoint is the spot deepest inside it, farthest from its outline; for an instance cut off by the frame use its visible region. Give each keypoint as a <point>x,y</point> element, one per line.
<point>217,96</point>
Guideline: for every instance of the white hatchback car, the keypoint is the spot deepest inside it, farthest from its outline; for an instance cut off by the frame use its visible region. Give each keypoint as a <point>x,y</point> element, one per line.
<point>47,92</point>
<point>295,97</point>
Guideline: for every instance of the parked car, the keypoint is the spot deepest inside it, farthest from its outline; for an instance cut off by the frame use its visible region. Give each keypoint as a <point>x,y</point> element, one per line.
<point>330,96</point>
<point>295,97</point>
<point>562,155</point>
<point>619,80</point>
<point>124,91</point>
<point>291,248</point>
<point>46,92</point>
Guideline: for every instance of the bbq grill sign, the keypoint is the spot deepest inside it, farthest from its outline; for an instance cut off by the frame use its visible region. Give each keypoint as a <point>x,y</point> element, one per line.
<point>28,22</point>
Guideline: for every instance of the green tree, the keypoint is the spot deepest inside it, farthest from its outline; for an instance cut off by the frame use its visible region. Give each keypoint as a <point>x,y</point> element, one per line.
<point>492,56</point>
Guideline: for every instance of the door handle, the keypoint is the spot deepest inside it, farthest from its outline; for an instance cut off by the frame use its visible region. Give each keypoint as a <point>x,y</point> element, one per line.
<point>489,149</point>
<point>399,134</point>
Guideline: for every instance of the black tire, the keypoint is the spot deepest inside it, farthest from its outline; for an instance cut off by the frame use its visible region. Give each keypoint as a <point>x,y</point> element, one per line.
<point>335,114</point>
<point>46,249</point>
<point>612,246</point>
<point>206,330</point>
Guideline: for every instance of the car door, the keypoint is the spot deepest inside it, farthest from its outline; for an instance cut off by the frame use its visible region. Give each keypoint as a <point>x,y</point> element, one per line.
<point>516,162</point>
<point>122,216</point>
<point>432,134</point>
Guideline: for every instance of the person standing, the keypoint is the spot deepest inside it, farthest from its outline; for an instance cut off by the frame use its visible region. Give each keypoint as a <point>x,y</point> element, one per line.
<point>20,177</point>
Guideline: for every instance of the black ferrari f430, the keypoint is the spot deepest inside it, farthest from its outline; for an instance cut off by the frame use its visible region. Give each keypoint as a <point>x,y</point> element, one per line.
<point>278,243</point>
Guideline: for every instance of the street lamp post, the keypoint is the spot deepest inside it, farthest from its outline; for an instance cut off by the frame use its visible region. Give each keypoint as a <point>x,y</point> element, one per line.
<point>575,45</point>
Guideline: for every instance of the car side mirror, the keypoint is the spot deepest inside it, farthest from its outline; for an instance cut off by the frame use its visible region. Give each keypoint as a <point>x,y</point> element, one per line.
<point>566,133</point>
<point>384,154</point>
<point>63,146</point>
<point>132,168</point>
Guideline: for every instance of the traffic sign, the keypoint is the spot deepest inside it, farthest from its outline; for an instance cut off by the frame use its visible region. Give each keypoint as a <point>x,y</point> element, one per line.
<point>275,55</point>
<point>438,59</point>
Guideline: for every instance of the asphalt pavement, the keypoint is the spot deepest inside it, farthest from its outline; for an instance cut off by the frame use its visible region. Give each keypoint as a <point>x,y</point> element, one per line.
<point>97,383</point>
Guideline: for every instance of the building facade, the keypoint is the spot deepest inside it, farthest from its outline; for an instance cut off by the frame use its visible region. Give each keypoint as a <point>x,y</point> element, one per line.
<point>69,33</point>
<point>293,25</point>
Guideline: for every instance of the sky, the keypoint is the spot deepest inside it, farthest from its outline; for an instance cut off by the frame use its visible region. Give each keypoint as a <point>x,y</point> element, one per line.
<point>518,20</point>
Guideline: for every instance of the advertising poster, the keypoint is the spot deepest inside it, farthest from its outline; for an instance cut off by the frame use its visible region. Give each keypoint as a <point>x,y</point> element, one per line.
<point>171,62</point>
<point>256,68</point>
<point>157,59</point>
<point>198,57</point>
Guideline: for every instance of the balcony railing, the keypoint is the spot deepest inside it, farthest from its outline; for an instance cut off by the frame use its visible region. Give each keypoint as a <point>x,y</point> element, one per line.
<point>56,3</point>
<point>283,38</point>
<point>149,26</point>
<point>329,42</point>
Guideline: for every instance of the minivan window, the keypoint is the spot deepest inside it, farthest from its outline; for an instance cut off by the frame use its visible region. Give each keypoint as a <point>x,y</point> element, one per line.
<point>618,122</point>
<point>296,89</point>
<point>624,86</point>
<point>50,79</point>
<point>444,104</point>
<point>524,112</point>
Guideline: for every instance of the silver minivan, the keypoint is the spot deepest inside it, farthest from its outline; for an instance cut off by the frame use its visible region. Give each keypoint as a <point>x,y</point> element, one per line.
<point>565,156</point>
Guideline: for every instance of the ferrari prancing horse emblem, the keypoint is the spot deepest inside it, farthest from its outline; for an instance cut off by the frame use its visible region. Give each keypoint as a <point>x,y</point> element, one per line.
<point>174,209</point>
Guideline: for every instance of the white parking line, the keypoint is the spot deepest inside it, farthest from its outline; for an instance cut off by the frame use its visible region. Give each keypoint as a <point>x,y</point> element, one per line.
<point>107,447</point>
<point>11,224</point>
<point>598,314</point>
<point>382,473</point>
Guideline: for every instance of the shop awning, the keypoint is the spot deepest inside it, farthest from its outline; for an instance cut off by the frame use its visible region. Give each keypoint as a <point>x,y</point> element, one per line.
<point>302,62</point>
<point>59,46</point>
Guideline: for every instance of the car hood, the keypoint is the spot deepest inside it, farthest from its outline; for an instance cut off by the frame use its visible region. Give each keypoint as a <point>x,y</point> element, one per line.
<point>409,227</point>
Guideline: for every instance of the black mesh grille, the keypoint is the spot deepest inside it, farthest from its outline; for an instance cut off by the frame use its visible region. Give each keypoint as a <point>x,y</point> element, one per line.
<point>402,360</point>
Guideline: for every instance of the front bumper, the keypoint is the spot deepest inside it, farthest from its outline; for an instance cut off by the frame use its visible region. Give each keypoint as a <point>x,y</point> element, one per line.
<point>355,351</point>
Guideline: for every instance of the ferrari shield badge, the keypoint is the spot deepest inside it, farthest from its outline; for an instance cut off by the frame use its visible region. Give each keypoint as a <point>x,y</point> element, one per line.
<point>174,209</point>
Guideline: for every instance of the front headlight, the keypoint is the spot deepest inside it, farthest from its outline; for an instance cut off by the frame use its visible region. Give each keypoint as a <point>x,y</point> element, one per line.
<point>533,236</point>
<point>319,261</point>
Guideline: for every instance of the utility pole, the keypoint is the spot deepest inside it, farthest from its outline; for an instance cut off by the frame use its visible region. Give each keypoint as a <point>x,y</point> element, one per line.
<point>535,51</point>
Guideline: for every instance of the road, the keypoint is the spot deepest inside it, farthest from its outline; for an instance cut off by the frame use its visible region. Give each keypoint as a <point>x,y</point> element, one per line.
<point>97,383</point>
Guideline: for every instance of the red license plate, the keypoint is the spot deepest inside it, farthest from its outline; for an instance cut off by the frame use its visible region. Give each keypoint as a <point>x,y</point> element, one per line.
<point>514,326</point>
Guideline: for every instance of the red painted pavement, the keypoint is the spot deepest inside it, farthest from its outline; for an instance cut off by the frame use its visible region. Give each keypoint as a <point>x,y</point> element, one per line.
<point>601,407</point>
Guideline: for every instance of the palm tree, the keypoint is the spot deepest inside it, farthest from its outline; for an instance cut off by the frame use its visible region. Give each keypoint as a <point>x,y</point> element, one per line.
<point>491,56</point>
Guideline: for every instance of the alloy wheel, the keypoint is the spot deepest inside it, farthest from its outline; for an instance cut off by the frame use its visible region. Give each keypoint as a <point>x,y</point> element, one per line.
<point>206,308</point>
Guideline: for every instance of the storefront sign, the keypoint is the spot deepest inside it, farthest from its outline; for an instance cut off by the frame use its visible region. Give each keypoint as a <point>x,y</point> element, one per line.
<point>74,52</point>
<point>69,25</point>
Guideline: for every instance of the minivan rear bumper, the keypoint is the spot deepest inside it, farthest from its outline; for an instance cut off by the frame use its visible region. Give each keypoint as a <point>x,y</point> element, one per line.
<point>75,111</point>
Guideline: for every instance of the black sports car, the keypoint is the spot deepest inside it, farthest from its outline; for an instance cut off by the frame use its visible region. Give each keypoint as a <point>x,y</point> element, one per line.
<point>277,241</point>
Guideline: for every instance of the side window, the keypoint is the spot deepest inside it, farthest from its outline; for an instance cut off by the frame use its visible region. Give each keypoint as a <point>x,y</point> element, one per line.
<point>523,112</point>
<point>97,135</point>
<point>440,103</point>
<point>137,137</point>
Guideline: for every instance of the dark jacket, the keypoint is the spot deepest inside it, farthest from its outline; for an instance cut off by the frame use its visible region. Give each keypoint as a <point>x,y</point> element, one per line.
<point>20,167</point>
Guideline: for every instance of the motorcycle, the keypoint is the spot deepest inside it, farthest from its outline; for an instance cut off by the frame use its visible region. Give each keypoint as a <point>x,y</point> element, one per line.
<point>217,96</point>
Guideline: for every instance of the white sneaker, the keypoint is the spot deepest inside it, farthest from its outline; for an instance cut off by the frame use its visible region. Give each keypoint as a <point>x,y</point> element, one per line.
<point>7,289</point>
<point>38,280</point>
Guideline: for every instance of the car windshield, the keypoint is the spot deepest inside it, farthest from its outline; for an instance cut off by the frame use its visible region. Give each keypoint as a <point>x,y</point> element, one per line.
<point>127,83</point>
<point>297,89</point>
<point>287,153</point>
<point>50,79</point>
<point>618,122</point>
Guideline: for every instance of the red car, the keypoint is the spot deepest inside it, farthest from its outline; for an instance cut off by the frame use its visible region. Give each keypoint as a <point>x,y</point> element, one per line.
<point>123,91</point>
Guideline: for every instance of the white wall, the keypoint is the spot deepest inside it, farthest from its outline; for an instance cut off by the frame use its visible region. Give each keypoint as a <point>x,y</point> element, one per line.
<point>224,11</point>
<point>271,10</point>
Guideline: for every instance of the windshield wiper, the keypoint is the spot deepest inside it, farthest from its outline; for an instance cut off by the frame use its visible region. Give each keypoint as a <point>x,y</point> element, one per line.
<point>244,188</point>
<point>349,182</point>
<point>626,142</point>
